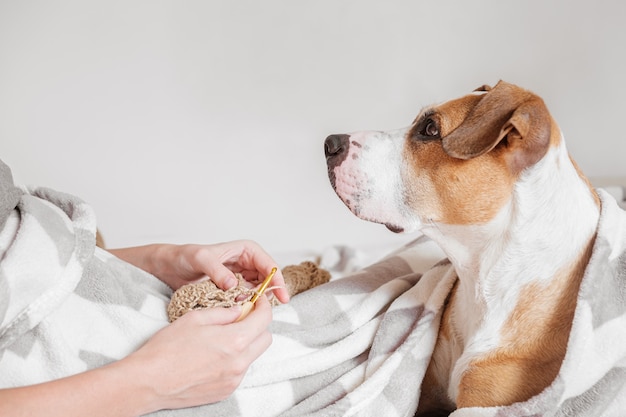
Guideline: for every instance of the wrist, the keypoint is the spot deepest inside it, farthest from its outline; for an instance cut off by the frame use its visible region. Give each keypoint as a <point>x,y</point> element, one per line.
<point>134,386</point>
<point>143,257</point>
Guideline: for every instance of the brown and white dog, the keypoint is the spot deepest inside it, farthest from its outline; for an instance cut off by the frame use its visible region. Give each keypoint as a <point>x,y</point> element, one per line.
<point>488,177</point>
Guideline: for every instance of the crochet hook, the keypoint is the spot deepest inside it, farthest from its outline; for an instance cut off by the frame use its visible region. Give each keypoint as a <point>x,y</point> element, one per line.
<point>247,307</point>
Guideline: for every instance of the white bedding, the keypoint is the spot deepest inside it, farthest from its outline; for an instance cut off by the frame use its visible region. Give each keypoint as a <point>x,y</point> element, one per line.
<point>356,346</point>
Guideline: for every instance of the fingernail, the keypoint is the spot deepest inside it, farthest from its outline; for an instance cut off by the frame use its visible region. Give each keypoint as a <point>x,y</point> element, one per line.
<point>231,283</point>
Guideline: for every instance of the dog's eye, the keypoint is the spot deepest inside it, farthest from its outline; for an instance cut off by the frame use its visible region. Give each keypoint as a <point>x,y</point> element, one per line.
<point>430,128</point>
<point>426,128</point>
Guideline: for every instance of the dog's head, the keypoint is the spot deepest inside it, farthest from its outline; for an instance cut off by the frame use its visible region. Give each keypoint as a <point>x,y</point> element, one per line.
<point>456,164</point>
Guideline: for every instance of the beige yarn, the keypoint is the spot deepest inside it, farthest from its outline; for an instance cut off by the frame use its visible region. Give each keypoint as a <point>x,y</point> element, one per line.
<point>304,276</point>
<point>206,294</point>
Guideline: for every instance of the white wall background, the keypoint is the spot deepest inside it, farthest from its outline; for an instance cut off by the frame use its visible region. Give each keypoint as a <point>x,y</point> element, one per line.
<point>203,121</point>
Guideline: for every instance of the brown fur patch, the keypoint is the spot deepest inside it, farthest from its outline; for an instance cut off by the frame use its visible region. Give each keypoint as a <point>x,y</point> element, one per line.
<point>454,185</point>
<point>534,342</point>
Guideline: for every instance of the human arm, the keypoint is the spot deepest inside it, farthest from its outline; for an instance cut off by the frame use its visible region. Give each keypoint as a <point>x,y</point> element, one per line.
<point>177,265</point>
<point>200,358</point>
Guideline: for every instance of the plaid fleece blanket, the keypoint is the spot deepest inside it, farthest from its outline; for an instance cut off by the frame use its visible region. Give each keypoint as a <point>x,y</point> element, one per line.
<point>358,345</point>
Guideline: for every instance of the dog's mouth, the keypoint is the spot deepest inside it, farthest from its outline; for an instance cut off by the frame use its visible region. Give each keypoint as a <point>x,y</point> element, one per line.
<point>356,209</point>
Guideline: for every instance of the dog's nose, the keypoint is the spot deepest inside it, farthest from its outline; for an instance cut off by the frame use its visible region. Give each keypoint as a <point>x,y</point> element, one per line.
<point>336,150</point>
<point>335,145</point>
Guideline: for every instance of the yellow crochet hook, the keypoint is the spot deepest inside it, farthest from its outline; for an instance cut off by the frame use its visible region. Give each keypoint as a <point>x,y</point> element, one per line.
<point>247,307</point>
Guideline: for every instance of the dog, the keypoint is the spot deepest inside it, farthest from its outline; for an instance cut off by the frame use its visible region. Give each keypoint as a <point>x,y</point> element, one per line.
<point>487,176</point>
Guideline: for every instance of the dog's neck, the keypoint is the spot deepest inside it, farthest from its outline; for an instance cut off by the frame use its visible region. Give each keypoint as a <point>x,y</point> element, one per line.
<point>545,227</point>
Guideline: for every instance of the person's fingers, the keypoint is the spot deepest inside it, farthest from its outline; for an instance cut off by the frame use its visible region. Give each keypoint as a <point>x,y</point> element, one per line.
<point>220,262</point>
<point>276,286</point>
<point>223,277</point>
<point>255,327</point>
<point>257,320</point>
<point>262,312</point>
<point>243,256</point>
<point>259,264</point>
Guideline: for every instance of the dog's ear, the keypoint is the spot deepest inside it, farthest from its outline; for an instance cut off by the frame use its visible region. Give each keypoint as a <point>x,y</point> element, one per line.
<point>484,87</point>
<point>506,112</point>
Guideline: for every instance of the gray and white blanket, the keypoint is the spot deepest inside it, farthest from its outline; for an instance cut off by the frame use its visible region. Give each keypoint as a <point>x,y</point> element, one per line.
<point>358,345</point>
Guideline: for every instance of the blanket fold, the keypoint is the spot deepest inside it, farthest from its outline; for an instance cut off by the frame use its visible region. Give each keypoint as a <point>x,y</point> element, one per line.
<point>359,345</point>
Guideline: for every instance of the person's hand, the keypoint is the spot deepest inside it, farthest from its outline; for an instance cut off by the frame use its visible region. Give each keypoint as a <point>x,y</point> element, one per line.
<point>177,265</point>
<point>203,356</point>
<point>199,359</point>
